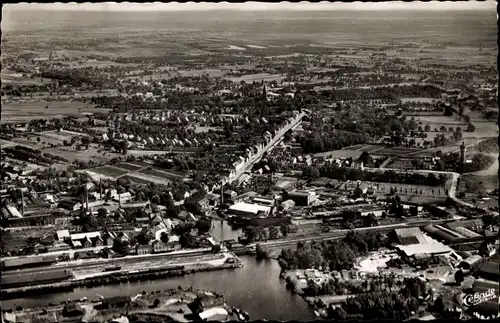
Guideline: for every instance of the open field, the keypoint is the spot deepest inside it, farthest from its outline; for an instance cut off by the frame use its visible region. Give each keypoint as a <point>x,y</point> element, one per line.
<point>83,155</point>
<point>395,151</point>
<point>484,129</point>
<point>11,77</point>
<point>128,166</point>
<point>142,178</point>
<point>138,153</point>
<point>422,100</point>
<point>110,171</point>
<point>26,111</point>
<point>162,174</point>
<point>257,78</point>
<point>340,154</point>
<point>408,190</point>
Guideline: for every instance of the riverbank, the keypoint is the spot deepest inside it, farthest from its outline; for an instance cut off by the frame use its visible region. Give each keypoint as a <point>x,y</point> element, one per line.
<point>113,278</point>
<point>181,304</point>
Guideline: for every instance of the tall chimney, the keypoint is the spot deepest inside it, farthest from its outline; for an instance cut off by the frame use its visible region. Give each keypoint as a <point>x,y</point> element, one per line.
<point>86,198</point>
<point>22,202</point>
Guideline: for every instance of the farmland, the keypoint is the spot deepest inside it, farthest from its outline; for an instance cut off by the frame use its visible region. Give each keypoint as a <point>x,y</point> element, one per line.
<point>26,111</point>
<point>110,171</point>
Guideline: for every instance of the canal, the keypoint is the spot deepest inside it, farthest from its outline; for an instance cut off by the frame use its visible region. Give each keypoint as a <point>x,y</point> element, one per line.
<point>256,287</point>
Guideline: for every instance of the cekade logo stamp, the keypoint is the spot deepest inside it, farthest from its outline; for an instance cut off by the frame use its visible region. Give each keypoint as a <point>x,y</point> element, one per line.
<point>478,298</point>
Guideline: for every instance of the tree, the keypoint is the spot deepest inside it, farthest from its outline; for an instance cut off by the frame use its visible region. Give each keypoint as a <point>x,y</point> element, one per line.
<point>86,142</point>
<point>251,233</point>
<point>470,127</point>
<point>204,224</point>
<point>427,128</point>
<point>261,253</point>
<point>273,233</point>
<point>102,212</point>
<point>38,139</point>
<point>143,237</point>
<point>164,237</point>
<point>459,277</point>
<point>284,230</point>
<point>121,246</point>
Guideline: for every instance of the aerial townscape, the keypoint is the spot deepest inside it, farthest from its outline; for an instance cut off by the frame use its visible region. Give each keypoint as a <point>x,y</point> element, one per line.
<point>268,163</point>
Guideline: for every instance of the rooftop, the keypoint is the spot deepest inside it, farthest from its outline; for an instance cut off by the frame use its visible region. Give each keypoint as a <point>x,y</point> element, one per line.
<point>249,207</point>
<point>424,248</point>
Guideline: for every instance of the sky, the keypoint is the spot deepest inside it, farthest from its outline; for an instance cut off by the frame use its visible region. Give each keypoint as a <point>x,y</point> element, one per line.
<point>256,6</point>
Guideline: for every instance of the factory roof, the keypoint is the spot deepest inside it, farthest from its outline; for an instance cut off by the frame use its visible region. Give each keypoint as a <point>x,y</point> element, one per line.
<point>424,248</point>
<point>249,207</point>
<point>212,312</point>
<point>89,235</point>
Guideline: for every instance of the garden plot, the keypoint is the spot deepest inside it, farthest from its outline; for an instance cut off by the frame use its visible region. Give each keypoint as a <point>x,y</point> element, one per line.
<point>110,171</point>
<point>128,166</point>
<point>418,100</point>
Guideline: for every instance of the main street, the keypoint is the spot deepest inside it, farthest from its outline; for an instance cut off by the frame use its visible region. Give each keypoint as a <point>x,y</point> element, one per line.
<point>274,141</point>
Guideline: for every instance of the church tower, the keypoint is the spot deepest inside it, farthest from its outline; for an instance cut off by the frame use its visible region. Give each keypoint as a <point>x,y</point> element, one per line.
<point>462,157</point>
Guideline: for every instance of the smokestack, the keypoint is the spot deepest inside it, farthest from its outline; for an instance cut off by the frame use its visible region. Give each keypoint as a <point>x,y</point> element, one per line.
<point>86,198</point>
<point>22,202</point>
<point>222,193</point>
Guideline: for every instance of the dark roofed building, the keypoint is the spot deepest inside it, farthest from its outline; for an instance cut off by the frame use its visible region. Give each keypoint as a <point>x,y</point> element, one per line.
<point>115,302</point>
<point>408,236</point>
<point>440,234</point>
<point>32,261</point>
<point>19,280</point>
<point>72,310</point>
<point>489,270</point>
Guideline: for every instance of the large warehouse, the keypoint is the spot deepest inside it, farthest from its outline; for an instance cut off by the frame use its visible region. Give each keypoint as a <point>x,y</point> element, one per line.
<point>249,209</point>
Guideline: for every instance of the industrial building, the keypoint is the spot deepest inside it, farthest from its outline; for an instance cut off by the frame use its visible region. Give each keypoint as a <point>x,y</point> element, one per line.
<point>411,243</point>
<point>302,198</point>
<point>249,209</point>
<point>32,261</point>
<point>19,280</point>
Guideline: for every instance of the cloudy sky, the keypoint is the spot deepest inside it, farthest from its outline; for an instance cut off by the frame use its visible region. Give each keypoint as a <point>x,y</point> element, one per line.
<point>251,6</point>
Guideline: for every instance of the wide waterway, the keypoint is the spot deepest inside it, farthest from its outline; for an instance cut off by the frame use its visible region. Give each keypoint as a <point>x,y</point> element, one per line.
<point>256,287</point>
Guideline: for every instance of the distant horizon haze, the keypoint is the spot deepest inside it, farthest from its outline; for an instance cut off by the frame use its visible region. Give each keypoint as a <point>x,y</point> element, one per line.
<point>254,6</point>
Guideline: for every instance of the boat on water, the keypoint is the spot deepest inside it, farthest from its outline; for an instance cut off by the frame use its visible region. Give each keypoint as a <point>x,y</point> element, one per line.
<point>112,268</point>
<point>242,316</point>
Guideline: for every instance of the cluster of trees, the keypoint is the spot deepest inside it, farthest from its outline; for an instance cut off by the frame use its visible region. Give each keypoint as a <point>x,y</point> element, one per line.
<point>351,287</point>
<point>337,255</point>
<point>258,233</point>
<point>320,142</point>
<point>32,155</point>
<point>386,92</point>
<point>374,305</point>
<point>479,162</point>
<point>70,77</point>
<point>332,170</point>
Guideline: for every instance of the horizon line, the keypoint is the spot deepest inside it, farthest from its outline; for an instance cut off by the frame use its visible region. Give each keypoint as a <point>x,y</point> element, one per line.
<point>256,6</point>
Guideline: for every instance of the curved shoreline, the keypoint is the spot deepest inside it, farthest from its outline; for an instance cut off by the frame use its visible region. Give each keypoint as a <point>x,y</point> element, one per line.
<point>112,278</point>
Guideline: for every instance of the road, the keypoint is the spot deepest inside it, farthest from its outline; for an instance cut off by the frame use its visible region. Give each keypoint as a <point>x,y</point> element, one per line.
<point>255,158</point>
<point>339,234</point>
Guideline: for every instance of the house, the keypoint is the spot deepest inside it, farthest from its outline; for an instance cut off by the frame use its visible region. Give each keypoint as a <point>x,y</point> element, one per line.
<point>62,235</point>
<point>302,198</point>
<point>72,310</point>
<point>143,249</point>
<point>71,205</point>
<point>469,262</point>
<point>159,246</point>
<point>86,240</point>
<point>115,302</point>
